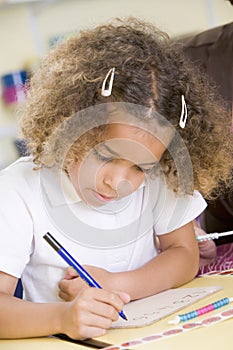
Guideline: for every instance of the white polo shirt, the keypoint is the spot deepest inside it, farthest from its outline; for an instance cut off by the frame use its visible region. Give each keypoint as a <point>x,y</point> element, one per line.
<point>118,236</point>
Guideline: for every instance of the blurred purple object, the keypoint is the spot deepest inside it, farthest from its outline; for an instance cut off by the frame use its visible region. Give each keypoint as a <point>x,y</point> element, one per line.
<point>14,87</point>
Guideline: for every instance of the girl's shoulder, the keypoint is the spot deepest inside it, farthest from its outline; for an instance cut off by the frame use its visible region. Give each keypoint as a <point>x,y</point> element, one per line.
<point>19,175</point>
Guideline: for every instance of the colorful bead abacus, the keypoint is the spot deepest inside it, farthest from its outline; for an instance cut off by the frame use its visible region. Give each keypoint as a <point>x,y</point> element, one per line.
<point>201,311</point>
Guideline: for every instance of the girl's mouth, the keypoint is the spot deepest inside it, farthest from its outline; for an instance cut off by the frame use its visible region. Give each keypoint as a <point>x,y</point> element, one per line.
<point>104,198</point>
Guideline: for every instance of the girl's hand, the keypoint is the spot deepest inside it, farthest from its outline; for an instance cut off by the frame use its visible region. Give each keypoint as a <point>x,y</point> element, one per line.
<point>91,313</point>
<point>72,284</point>
<point>207,249</point>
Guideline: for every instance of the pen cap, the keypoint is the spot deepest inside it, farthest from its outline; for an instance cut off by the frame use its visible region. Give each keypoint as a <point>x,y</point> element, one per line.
<point>52,241</point>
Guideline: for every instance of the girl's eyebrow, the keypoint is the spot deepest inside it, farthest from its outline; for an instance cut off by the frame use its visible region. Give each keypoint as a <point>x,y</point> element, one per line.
<point>103,145</point>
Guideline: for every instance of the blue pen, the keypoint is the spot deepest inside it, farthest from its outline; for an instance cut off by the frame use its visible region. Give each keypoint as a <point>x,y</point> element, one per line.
<point>72,262</point>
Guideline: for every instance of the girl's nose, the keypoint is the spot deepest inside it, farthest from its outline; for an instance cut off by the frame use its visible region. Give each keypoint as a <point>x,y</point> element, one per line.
<point>121,186</point>
<point>120,180</point>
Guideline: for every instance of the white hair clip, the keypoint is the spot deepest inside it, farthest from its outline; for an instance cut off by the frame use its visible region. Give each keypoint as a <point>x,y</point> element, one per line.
<point>107,91</point>
<point>184,113</point>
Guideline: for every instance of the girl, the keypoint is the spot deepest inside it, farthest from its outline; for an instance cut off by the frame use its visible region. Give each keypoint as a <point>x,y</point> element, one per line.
<point>122,134</point>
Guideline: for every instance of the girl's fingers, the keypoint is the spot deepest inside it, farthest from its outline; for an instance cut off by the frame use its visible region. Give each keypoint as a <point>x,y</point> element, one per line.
<point>70,273</point>
<point>106,297</point>
<point>69,288</point>
<point>105,311</point>
<point>124,296</point>
<point>100,302</point>
<point>92,312</point>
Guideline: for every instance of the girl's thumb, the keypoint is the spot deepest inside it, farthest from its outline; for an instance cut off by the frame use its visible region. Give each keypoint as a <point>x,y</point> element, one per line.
<point>70,273</point>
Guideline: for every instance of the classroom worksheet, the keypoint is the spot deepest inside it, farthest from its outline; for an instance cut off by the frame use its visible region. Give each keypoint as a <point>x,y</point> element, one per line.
<point>149,310</point>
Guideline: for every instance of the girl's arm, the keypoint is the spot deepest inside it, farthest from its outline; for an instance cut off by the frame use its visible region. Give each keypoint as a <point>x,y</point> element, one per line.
<point>88,315</point>
<point>177,264</point>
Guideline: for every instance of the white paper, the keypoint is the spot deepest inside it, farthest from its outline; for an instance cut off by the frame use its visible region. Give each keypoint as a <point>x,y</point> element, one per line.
<point>149,310</point>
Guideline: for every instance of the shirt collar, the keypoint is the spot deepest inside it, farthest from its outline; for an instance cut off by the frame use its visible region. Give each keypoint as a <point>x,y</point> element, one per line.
<point>57,187</point>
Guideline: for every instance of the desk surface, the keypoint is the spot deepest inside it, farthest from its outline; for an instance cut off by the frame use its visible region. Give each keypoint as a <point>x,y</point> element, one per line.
<point>213,337</point>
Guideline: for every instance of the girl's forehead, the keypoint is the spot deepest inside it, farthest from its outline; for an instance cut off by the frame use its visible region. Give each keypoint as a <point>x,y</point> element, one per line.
<point>133,142</point>
<point>122,130</point>
<point>137,123</point>
<point>136,134</point>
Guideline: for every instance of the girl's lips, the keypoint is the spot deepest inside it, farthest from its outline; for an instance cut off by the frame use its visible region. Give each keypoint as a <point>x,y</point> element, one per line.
<point>102,197</point>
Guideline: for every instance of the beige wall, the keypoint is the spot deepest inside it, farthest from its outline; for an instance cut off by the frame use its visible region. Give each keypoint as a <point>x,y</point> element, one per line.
<point>25,30</point>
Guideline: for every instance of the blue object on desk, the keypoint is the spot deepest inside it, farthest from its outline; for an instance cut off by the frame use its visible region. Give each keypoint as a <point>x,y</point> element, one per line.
<point>72,262</point>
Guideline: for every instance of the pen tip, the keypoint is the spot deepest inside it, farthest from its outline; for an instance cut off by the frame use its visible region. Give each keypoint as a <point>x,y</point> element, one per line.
<point>123,315</point>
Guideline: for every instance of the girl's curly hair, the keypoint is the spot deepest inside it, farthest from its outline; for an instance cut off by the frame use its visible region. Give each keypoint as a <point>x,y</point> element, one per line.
<point>150,71</point>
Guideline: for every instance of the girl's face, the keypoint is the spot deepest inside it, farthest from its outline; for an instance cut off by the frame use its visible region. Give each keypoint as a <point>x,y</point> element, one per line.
<point>116,167</point>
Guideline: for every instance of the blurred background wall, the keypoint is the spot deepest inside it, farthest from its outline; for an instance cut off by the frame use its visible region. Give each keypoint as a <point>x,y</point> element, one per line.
<point>29,28</point>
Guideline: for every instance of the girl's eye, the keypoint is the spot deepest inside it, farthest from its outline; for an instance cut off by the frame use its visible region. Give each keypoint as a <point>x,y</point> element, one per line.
<point>144,170</point>
<point>101,157</point>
